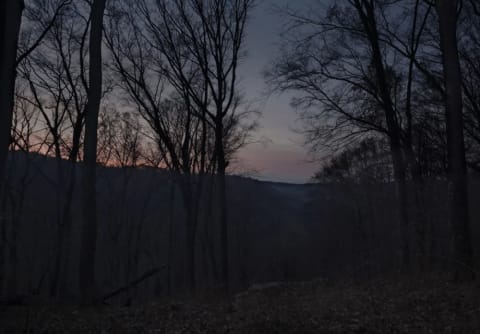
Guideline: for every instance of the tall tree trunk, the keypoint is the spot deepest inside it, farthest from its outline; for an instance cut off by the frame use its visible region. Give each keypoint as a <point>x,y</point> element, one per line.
<point>222,203</point>
<point>3,245</point>
<point>67,232</point>
<point>187,187</point>
<point>457,171</point>
<point>18,205</point>
<point>190,236</point>
<point>67,208</point>
<point>89,233</point>
<point>208,227</point>
<point>10,21</point>
<point>59,285</point>
<point>12,284</point>
<point>171,236</point>
<point>366,12</point>
<point>402,198</point>
<point>420,214</point>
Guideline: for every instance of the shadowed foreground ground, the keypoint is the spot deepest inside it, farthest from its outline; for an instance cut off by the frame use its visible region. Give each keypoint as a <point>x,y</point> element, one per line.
<point>414,306</point>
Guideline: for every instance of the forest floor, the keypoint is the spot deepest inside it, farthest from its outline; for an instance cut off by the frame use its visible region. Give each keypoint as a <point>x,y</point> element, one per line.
<point>387,306</point>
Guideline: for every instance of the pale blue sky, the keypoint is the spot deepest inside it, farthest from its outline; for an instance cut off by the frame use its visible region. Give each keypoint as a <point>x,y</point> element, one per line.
<point>280,155</point>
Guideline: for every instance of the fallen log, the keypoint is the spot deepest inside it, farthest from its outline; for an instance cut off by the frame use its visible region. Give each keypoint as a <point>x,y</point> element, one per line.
<point>132,284</point>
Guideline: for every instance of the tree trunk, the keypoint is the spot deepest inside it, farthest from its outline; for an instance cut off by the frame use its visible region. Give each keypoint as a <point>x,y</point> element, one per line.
<point>420,214</point>
<point>67,211</point>
<point>402,197</point>
<point>171,236</point>
<point>191,219</point>
<point>12,284</point>
<point>222,203</point>
<point>3,245</point>
<point>61,279</point>
<point>462,256</point>
<point>366,14</point>
<point>190,229</point>
<point>208,226</point>
<point>190,242</point>
<point>10,21</point>
<point>89,233</point>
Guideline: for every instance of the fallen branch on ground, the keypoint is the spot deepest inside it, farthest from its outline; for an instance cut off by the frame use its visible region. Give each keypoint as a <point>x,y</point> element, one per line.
<point>132,284</point>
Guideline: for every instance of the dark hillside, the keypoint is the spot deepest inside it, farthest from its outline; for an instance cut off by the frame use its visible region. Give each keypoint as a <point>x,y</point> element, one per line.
<point>278,232</point>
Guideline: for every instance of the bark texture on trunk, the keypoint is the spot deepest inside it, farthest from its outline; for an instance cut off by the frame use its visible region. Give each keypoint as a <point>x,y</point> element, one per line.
<point>462,256</point>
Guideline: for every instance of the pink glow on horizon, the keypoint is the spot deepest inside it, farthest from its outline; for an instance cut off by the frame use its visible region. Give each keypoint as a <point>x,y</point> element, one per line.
<point>276,163</point>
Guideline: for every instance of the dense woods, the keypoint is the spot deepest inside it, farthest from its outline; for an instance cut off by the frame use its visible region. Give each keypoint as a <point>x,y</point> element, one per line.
<point>381,84</point>
<point>120,122</point>
<point>122,84</point>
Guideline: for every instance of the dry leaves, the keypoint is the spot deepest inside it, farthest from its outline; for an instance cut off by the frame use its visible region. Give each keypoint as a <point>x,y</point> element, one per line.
<point>395,306</point>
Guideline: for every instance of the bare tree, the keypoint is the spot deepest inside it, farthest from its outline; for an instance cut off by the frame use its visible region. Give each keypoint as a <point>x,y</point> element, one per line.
<point>55,74</point>
<point>20,176</point>
<point>89,229</point>
<point>39,17</point>
<point>213,32</point>
<point>352,81</point>
<point>11,12</point>
<point>447,12</point>
<point>469,48</point>
<point>171,120</point>
<point>120,139</point>
<point>7,75</point>
<point>193,49</point>
<point>10,21</point>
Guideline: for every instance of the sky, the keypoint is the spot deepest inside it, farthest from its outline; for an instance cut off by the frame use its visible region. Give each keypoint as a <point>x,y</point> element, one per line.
<point>277,152</point>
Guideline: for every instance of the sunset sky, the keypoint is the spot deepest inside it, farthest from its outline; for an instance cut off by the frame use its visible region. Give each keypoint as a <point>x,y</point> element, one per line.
<point>278,153</point>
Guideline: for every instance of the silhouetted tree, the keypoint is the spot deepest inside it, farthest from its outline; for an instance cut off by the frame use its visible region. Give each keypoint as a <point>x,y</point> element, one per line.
<point>39,17</point>
<point>89,228</point>
<point>447,12</point>
<point>11,12</point>
<point>469,48</point>
<point>196,47</point>
<point>55,74</point>
<point>19,177</point>
<point>352,81</point>
<point>10,21</point>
